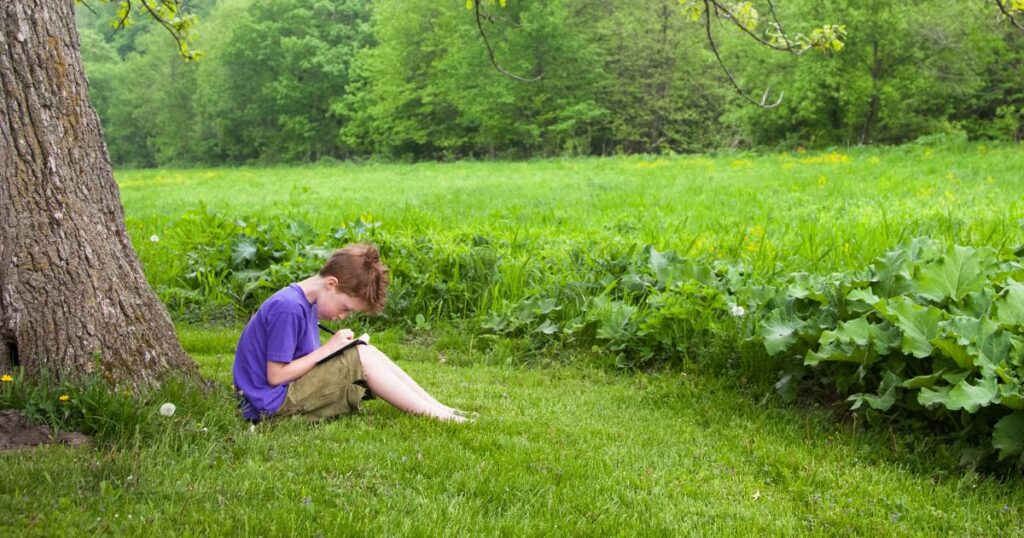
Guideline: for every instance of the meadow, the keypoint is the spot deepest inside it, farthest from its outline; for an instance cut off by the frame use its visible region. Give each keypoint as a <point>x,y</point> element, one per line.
<point>577,436</point>
<point>792,211</point>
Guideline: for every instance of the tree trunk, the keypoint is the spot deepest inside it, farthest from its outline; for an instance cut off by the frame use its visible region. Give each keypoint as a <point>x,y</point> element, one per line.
<point>73,298</point>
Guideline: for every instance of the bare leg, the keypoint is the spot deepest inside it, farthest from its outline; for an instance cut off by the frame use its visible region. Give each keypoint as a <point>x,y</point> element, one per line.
<point>391,388</point>
<point>403,376</point>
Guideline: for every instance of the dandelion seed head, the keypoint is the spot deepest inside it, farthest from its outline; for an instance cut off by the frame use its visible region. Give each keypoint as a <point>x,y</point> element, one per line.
<point>167,409</point>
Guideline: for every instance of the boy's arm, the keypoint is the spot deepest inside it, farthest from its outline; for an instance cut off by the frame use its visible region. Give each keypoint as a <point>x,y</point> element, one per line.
<point>279,373</point>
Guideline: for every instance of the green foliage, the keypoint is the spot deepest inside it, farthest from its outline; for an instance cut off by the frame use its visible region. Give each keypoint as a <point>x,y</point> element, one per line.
<point>907,71</point>
<point>925,330</point>
<point>305,80</point>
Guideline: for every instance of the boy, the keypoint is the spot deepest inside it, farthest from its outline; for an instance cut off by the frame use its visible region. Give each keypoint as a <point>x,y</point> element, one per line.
<point>279,363</point>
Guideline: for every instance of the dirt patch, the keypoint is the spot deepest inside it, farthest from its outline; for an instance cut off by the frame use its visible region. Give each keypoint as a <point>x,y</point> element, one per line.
<point>17,432</point>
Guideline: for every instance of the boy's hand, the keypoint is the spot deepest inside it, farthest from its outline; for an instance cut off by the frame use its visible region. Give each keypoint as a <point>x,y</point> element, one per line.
<point>339,339</point>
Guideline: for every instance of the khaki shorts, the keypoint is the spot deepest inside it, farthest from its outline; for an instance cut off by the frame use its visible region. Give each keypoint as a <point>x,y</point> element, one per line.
<point>332,388</point>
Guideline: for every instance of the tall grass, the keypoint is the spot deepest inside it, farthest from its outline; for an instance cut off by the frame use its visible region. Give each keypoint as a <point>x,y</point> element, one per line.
<point>778,212</point>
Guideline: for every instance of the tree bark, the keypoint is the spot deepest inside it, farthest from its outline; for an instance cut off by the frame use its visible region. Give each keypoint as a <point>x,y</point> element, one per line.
<point>73,298</point>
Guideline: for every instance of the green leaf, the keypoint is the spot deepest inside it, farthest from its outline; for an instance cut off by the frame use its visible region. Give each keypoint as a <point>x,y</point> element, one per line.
<point>861,300</point>
<point>863,333</point>
<point>962,396</point>
<point>885,398</point>
<point>779,333</point>
<point>928,396</point>
<point>983,340</point>
<point>658,264</point>
<point>976,304</point>
<point>1009,307</point>
<point>805,286</point>
<point>1008,435</point>
<point>547,327</point>
<point>958,272</point>
<point>857,331</point>
<point>243,251</point>
<point>863,295</point>
<point>918,325</point>
<point>1011,396</point>
<point>993,347</point>
<point>923,381</point>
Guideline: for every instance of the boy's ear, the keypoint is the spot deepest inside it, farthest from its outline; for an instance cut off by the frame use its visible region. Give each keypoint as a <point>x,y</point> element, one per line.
<point>331,283</point>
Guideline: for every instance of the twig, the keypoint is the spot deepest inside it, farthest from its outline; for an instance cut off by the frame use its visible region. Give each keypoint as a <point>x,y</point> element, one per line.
<point>167,26</point>
<point>1009,14</point>
<point>490,51</point>
<point>87,6</point>
<point>127,12</point>
<point>492,18</point>
<point>714,49</point>
<point>789,47</point>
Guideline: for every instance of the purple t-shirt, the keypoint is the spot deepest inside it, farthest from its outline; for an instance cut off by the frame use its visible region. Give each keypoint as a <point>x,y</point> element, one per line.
<point>284,329</point>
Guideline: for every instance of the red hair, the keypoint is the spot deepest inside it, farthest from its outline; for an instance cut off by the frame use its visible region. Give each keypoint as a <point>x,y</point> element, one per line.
<point>360,273</point>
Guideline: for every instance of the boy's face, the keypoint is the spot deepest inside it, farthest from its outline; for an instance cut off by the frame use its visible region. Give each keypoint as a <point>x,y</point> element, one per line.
<point>334,304</point>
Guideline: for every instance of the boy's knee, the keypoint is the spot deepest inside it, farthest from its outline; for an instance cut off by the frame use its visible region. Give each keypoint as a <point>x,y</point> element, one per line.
<point>368,354</point>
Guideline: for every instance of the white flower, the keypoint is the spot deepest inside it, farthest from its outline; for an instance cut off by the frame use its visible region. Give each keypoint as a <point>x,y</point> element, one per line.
<point>154,238</point>
<point>167,409</point>
<point>738,310</point>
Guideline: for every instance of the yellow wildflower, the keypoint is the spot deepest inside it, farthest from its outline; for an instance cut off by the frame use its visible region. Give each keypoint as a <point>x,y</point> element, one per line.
<point>828,158</point>
<point>64,397</point>
<point>7,378</point>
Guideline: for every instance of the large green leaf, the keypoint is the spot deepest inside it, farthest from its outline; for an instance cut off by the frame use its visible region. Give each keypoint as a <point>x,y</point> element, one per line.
<point>962,396</point>
<point>983,340</point>
<point>958,272</point>
<point>1008,435</point>
<point>659,265</point>
<point>918,325</point>
<point>885,398</point>
<point>894,270</point>
<point>858,341</point>
<point>977,304</point>
<point>243,250</point>
<point>951,349</point>
<point>779,333</point>
<point>806,286</point>
<point>861,300</point>
<point>668,268</point>
<point>1009,307</point>
<point>1011,396</point>
<point>922,381</point>
<point>932,396</point>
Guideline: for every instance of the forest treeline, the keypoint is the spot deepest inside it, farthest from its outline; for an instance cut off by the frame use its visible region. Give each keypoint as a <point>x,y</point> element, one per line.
<point>307,80</point>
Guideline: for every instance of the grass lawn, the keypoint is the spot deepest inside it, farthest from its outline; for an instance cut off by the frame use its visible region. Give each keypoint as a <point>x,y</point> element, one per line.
<point>558,451</point>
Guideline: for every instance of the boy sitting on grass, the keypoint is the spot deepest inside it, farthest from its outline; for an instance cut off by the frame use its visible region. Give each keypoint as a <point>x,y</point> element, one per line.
<point>279,363</point>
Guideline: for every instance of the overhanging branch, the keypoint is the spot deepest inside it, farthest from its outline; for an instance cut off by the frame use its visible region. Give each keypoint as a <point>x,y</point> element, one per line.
<point>490,51</point>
